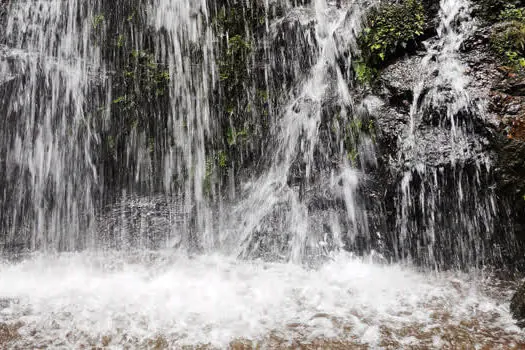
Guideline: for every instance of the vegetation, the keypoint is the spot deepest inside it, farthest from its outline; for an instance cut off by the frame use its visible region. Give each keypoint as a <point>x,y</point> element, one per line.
<point>491,10</point>
<point>140,88</point>
<point>142,79</point>
<point>352,131</point>
<point>391,28</point>
<point>242,95</point>
<point>508,37</point>
<point>98,20</point>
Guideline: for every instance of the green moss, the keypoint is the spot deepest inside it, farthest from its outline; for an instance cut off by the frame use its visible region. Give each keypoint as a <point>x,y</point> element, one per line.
<point>215,165</point>
<point>234,137</point>
<point>131,16</point>
<point>232,63</point>
<point>119,99</point>
<point>208,174</point>
<point>98,20</point>
<point>512,13</point>
<point>391,27</point>
<point>237,45</point>
<point>120,41</point>
<point>262,95</point>
<point>491,10</point>
<point>111,143</point>
<point>222,159</point>
<point>233,26</point>
<point>238,19</point>
<point>139,84</point>
<point>353,132</point>
<point>371,127</point>
<point>143,77</point>
<point>508,38</point>
<point>364,73</point>
<point>352,155</point>
<point>243,93</point>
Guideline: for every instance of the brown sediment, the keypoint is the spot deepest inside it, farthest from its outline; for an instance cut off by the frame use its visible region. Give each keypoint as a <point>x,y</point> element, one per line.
<point>9,333</point>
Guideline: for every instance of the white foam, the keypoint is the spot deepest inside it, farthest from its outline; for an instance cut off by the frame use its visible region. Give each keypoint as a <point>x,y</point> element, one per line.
<point>214,299</point>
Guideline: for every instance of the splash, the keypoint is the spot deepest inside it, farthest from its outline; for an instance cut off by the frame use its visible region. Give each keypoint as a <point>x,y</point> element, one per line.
<point>91,299</point>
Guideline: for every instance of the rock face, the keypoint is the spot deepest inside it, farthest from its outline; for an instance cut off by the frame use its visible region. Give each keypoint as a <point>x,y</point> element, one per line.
<point>517,306</point>
<point>497,133</point>
<point>508,102</point>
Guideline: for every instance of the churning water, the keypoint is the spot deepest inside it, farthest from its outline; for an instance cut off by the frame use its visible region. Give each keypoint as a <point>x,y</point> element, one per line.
<point>202,287</point>
<point>146,299</point>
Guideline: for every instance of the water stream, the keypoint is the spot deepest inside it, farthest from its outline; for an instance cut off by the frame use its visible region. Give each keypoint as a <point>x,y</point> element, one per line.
<point>46,140</point>
<point>439,146</point>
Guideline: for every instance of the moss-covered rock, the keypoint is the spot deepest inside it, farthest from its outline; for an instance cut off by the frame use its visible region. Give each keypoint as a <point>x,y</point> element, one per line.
<point>392,28</point>
<point>508,36</point>
<point>139,85</point>
<point>490,10</point>
<point>517,305</point>
<point>242,95</point>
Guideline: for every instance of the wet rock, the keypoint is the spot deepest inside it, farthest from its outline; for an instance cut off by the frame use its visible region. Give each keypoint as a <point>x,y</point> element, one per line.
<point>398,81</point>
<point>290,46</point>
<point>158,343</point>
<point>517,306</point>
<point>150,222</point>
<point>513,84</point>
<point>437,158</point>
<point>243,344</point>
<point>3,14</point>
<point>510,171</point>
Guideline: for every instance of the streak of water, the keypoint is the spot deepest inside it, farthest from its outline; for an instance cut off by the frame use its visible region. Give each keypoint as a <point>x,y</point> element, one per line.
<point>297,136</point>
<point>48,172</point>
<point>441,222</point>
<point>60,115</point>
<point>186,24</point>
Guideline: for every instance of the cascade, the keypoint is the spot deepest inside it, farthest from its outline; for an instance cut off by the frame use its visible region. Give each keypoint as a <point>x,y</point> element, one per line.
<point>444,214</point>
<point>67,150</point>
<point>208,174</point>
<point>275,196</point>
<point>50,69</point>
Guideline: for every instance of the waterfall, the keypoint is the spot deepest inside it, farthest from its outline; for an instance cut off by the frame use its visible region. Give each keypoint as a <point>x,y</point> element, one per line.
<point>185,27</point>
<point>78,132</point>
<point>92,144</point>
<point>276,204</point>
<point>445,215</point>
<point>216,174</point>
<point>50,68</point>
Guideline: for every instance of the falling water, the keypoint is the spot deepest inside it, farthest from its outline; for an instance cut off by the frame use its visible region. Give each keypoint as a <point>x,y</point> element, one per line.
<point>49,69</point>
<point>59,68</point>
<point>190,115</point>
<point>445,214</point>
<point>127,243</point>
<point>274,199</point>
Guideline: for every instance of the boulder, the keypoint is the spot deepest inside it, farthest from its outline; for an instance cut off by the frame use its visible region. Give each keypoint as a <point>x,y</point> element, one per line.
<point>517,306</point>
